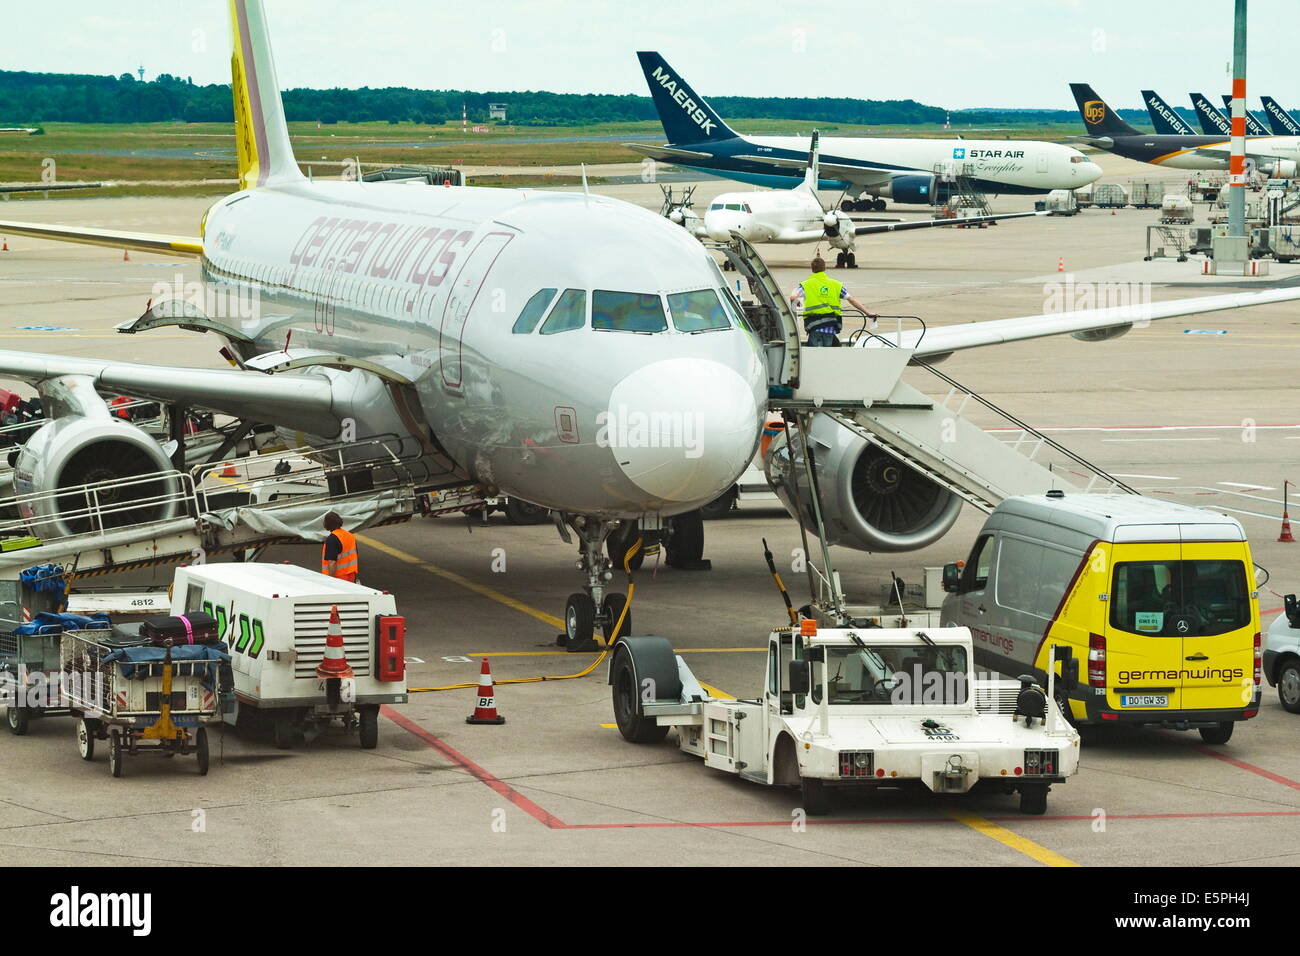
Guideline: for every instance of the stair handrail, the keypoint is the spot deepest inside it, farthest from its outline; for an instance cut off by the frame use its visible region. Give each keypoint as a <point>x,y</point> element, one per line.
<point>1006,415</point>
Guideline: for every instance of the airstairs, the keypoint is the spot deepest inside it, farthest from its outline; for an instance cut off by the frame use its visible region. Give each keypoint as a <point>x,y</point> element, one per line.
<point>950,433</point>
<point>234,507</point>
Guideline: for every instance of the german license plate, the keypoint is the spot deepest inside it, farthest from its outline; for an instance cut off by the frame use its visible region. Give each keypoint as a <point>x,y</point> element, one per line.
<point>1144,700</point>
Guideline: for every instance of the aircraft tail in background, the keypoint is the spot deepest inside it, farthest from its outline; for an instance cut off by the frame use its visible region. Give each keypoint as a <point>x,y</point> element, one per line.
<point>1213,123</point>
<point>1164,118</point>
<point>1253,126</point>
<point>1098,118</point>
<point>686,117</point>
<point>1282,122</point>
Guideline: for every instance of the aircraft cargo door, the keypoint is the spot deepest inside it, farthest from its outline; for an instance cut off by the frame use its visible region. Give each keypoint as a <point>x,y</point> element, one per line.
<point>463,295</point>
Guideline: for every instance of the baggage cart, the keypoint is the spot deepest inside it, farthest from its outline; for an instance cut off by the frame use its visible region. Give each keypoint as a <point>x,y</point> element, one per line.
<point>141,699</point>
<point>30,668</point>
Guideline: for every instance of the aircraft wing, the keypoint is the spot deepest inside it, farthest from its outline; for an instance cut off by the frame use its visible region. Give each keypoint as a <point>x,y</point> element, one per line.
<point>902,224</point>
<point>299,401</point>
<point>45,187</point>
<point>857,173</point>
<point>1084,323</point>
<point>114,239</point>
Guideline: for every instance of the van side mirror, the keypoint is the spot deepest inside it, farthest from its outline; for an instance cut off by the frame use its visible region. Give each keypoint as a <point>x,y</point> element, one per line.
<point>951,578</point>
<point>799,678</point>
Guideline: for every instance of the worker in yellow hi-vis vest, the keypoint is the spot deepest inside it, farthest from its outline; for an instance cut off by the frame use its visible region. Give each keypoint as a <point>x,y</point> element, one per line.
<point>822,300</point>
<point>338,555</point>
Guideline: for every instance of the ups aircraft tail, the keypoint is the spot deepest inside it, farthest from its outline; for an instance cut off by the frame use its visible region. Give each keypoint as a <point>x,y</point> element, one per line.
<point>687,118</point>
<point>261,136</point>
<point>1098,118</point>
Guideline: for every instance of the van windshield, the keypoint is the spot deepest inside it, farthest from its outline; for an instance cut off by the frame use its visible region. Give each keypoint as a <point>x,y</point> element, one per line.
<point>895,674</point>
<point>1179,598</point>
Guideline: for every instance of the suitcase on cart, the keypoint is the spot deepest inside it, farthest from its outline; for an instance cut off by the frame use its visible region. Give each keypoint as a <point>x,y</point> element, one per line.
<point>192,628</point>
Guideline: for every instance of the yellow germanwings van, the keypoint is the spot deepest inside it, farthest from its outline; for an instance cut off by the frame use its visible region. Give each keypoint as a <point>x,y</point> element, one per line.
<point>1157,601</point>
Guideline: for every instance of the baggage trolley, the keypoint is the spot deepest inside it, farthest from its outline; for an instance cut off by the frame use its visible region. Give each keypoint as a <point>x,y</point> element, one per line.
<point>30,682</point>
<point>139,699</point>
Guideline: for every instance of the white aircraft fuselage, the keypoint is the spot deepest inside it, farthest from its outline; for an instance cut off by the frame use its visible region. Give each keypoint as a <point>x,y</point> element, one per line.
<point>428,282</point>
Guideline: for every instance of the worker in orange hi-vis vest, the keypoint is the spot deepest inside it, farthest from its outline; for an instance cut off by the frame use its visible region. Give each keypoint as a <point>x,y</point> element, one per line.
<point>338,555</point>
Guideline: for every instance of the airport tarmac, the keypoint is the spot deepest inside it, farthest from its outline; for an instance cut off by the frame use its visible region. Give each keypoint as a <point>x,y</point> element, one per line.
<point>1199,410</point>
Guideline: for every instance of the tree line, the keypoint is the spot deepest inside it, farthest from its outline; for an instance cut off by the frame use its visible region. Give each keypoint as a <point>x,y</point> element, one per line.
<point>35,98</point>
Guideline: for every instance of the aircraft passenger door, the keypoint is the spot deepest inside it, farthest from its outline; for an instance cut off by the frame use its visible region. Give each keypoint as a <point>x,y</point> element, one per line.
<point>464,293</point>
<point>1042,162</point>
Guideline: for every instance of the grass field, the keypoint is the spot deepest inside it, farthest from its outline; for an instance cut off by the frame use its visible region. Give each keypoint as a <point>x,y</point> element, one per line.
<point>197,158</point>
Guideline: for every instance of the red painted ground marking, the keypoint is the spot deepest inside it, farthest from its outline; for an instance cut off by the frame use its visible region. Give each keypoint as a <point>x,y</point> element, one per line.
<point>545,817</point>
<point>1242,765</point>
<point>551,821</point>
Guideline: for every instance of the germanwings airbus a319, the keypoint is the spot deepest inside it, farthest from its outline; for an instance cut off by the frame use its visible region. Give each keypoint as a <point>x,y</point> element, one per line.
<point>521,339</point>
<point>918,171</point>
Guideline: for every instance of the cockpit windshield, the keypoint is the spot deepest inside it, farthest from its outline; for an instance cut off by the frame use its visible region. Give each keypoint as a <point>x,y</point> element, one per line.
<point>894,674</point>
<point>698,311</point>
<point>627,312</point>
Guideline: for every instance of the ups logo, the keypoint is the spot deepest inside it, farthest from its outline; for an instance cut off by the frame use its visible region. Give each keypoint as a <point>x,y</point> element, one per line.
<point>1094,111</point>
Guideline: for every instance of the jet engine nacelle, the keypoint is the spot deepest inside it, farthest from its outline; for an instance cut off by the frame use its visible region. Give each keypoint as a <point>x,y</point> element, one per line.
<point>916,188</point>
<point>869,499</point>
<point>1282,169</point>
<point>68,452</point>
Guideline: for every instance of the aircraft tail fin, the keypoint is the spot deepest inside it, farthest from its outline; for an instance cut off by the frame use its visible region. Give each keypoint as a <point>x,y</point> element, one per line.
<point>1213,123</point>
<point>1098,118</point>
<point>261,135</point>
<point>811,177</point>
<point>1282,122</point>
<point>1253,126</point>
<point>685,115</point>
<point>1164,119</point>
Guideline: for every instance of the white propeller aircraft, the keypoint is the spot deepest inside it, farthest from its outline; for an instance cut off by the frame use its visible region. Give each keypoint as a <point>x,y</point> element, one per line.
<point>572,351</point>
<point>797,216</point>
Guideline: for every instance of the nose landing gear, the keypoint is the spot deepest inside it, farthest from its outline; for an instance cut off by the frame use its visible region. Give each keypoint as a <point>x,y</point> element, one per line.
<point>595,606</point>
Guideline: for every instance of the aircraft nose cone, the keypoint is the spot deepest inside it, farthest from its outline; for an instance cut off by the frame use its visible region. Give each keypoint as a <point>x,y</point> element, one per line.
<point>682,429</point>
<point>1091,172</point>
<point>719,227</point>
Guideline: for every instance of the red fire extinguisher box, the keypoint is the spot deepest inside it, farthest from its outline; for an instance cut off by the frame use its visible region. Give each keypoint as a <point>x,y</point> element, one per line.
<point>390,649</point>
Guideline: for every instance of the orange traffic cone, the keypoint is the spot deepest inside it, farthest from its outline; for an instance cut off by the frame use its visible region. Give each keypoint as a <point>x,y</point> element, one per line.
<point>6,245</point>
<point>229,471</point>
<point>1285,537</point>
<point>485,709</point>
<point>335,663</point>
<point>1060,264</point>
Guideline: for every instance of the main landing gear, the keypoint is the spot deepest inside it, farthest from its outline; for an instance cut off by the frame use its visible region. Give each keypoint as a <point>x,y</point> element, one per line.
<point>865,204</point>
<point>602,548</point>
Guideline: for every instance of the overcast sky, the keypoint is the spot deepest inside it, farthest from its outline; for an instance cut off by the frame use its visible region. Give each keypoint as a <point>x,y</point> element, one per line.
<point>952,53</point>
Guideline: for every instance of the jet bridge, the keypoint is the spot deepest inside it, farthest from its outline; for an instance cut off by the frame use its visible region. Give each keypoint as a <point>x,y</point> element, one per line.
<point>239,506</point>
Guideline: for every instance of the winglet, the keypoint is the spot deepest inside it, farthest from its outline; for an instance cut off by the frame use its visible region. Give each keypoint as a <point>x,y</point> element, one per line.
<point>261,136</point>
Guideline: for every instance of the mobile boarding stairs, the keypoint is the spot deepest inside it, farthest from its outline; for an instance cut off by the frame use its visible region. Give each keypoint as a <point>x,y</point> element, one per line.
<point>954,436</point>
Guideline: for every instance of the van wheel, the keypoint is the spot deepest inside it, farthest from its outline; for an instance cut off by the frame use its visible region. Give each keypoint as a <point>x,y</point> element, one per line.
<point>1288,686</point>
<point>816,802</point>
<point>1033,798</point>
<point>1217,735</point>
<point>1063,703</point>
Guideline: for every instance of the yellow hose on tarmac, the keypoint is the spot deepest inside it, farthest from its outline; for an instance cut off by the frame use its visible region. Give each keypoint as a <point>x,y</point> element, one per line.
<point>627,569</point>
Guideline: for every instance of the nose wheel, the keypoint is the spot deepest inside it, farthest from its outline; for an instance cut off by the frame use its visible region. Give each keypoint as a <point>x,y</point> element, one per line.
<point>846,260</point>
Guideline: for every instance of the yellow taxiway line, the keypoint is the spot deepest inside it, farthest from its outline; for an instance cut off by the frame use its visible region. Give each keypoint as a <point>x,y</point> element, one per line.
<point>1029,848</point>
